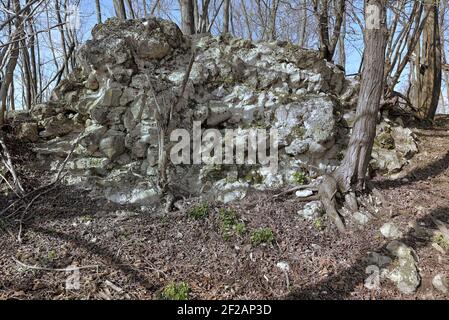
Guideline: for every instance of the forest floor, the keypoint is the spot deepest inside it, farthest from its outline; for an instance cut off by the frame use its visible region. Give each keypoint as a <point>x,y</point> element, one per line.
<point>132,253</point>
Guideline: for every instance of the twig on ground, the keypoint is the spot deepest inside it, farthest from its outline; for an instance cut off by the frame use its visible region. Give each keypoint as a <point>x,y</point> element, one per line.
<point>307,186</point>
<point>7,161</point>
<point>68,269</point>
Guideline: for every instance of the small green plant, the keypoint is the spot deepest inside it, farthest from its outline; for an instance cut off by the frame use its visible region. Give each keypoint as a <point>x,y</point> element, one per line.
<point>176,291</point>
<point>318,224</point>
<point>299,177</point>
<point>201,211</point>
<point>86,219</point>
<point>229,224</point>
<point>52,255</point>
<point>441,241</point>
<point>240,228</point>
<point>262,235</point>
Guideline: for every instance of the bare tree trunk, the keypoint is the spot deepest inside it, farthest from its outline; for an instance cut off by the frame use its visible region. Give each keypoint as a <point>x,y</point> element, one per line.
<point>204,19</point>
<point>350,176</point>
<point>62,34</point>
<point>98,9</point>
<point>145,8</point>
<point>303,30</point>
<point>352,172</point>
<point>247,20</point>
<point>131,9</point>
<point>12,101</point>
<point>187,17</point>
<point>341,44</point>
<point>12,62</point>
<point>426,88</point>
<point>120,10</point>
<point>227,7</point>
<point>328,44</point>
<point>273,17</point>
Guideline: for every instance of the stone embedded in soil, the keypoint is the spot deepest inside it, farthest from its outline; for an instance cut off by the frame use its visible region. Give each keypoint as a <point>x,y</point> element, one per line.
<point>440,283</point>
<point>378,259</point>
<point>311,210</point>
<point>304,193</point>
<point>390,231</point>
<point>405,273</point>
<point>361,218</point>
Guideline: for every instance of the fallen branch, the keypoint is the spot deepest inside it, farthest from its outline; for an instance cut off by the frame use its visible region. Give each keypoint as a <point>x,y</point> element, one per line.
<point>6,158</point>
<point>68,269</point>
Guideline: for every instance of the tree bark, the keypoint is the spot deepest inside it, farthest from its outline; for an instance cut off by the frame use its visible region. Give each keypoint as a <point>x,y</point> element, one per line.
<point>12,62</point>
<point>98,10</point>
<point>328,43</point>
<point>351,175</point>
<point>427,66</point>
<point>226,8</point>
<point>187,17</point>
<point>120,9</point>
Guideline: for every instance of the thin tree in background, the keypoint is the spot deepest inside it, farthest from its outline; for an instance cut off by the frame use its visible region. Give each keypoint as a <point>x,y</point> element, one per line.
<point>120,9</point>
<point>13,58</point>
<point>226,15</point>
<point>187,17</point>
<point>98,10</point>
<point>426,67</point>
<point>328,43</point>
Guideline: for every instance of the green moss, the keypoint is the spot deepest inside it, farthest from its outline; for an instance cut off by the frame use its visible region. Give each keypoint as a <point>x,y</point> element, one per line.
<point>52,255</point>
<point>201,211</point>
<point>262,235</point>
<point>86,218</point>
<point>384,140</point>
<point>254,177</point>
<point>299,177</point>
<point>230,81</point>
<point>298,132</point>
<point>441,241</point>
<point>259,124</point>
<point>318,224</point>
<point>229,224</point>
<point>176,291</point>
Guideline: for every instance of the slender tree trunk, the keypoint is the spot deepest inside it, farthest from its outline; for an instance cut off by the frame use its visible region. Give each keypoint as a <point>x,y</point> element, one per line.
<point>426,87</point>
<point>303,30</point>
<point>131,9</point>
<point>247,20</point>
<point>120,9</point>
<point>273,18</point>
<point>341,44</point>
<point>12,101</point>
<point>145,8</point>
<point>351,174</point>
<point>328,43</point>
<point>187,17</point>
<point>226,8</point>
<point>61,33</point>
<point>12,62</point>
<point>98,10</point>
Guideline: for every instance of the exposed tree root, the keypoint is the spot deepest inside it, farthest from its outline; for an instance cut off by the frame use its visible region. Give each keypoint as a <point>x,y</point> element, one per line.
<point>327,192</point>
